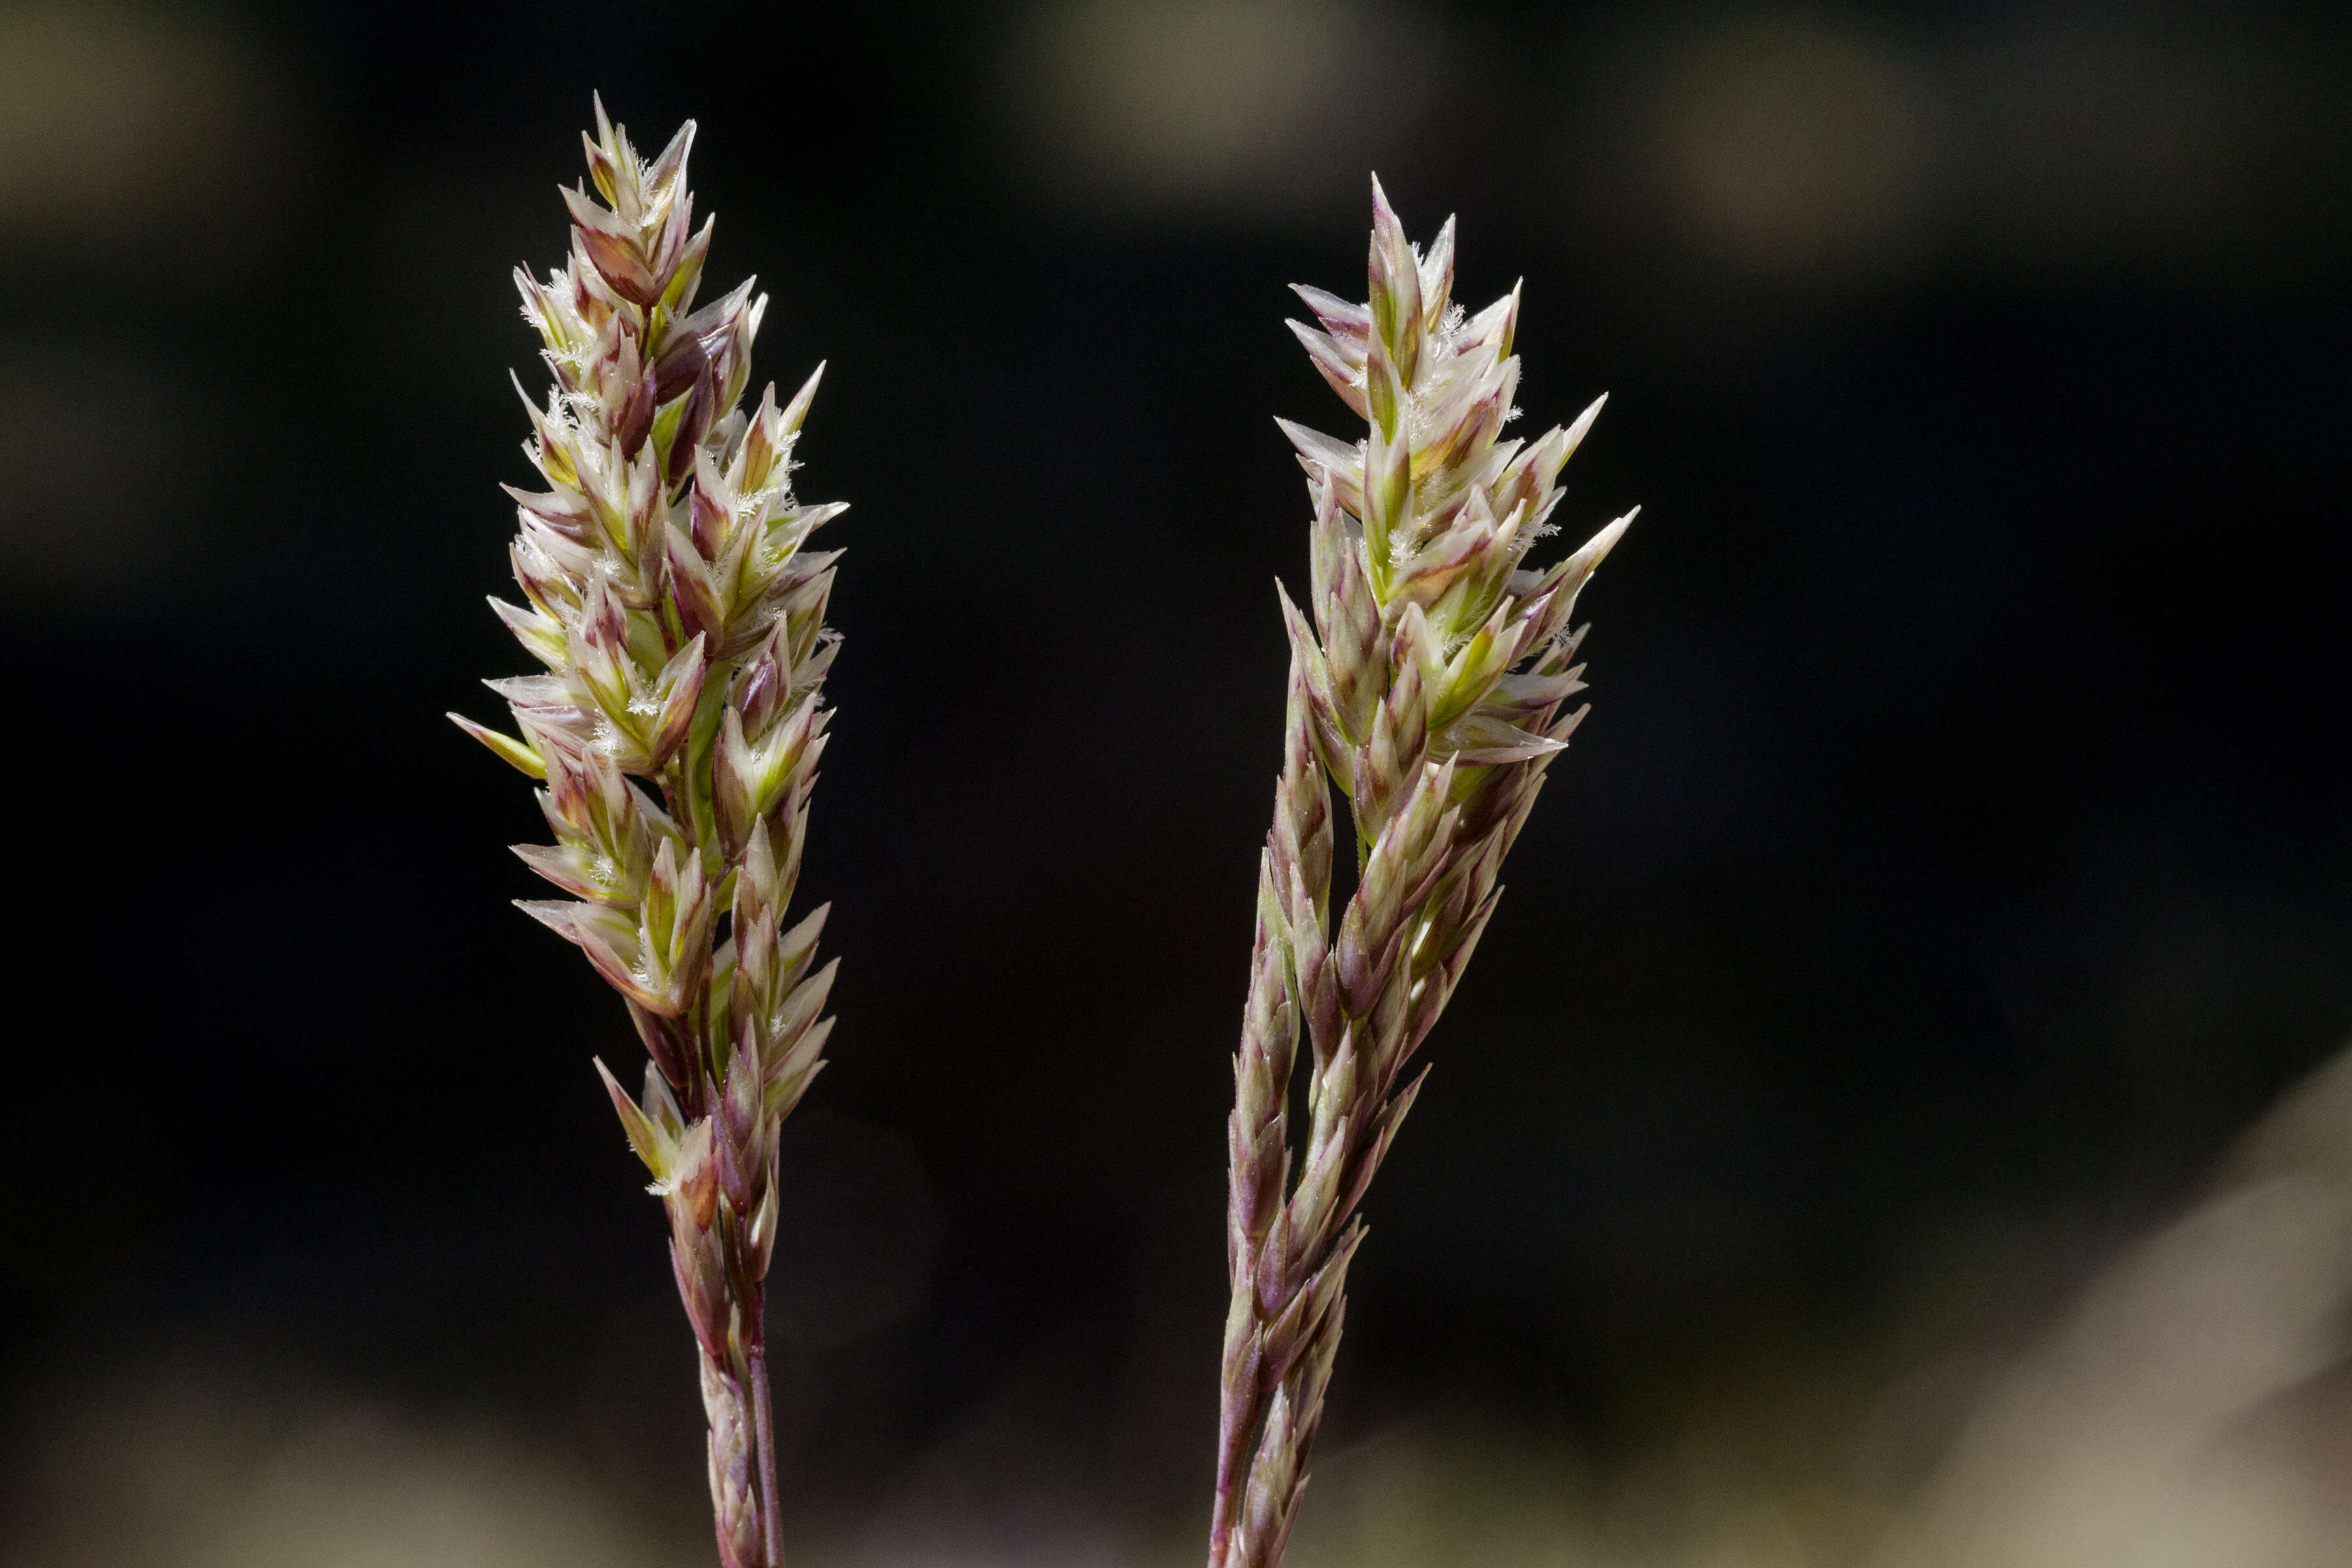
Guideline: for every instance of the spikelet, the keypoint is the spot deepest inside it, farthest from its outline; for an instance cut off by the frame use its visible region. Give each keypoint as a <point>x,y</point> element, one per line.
<point>678,725</point>
<point>1427,685</point>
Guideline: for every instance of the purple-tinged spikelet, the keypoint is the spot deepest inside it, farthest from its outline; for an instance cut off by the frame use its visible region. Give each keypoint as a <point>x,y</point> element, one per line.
<point>681,626</point>
<point>1427,687</point>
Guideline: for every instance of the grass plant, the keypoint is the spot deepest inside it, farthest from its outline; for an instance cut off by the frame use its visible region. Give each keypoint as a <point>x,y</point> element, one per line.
<point>1428,688</point>
<point>681,716</point>
<point>681,624</point>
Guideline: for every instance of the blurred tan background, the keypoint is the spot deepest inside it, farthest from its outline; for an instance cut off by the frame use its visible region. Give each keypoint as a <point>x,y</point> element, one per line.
<point>1881,1128</point>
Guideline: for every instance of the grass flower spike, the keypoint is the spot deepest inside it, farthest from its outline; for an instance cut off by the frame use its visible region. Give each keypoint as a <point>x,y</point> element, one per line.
<point>1428,687</point>
<point>681,623</point>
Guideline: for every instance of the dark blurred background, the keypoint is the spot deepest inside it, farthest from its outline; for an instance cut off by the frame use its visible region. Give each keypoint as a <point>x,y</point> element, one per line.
<point>1958,855</point>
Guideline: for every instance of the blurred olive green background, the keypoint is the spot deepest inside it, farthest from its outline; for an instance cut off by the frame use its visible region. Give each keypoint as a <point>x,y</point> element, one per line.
<point>1958,855</point>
